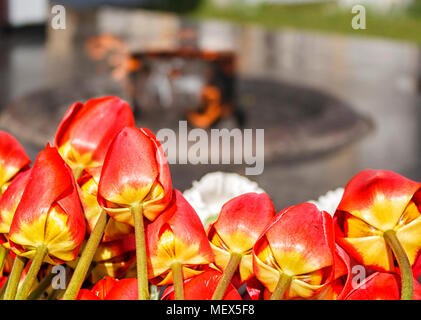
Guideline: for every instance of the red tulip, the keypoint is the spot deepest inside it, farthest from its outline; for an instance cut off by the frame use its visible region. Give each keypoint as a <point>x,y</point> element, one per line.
<point>103,287</point>
<point>85,294</point>
<point>177,237</point>
<point>49,213</point>
<point>8,204</point>
<point>239,225</point>
<point>294,256</point>
<point>48,225</point>
<point>378,217</point>
<point>202,287</point>
<point>86,131</point>
<point>99,291</point>
<point>381,286</point>
<point>135,172</point>
<point>13,159</point>
<point>337,289</point>
<point>125,289</point>
<point>135,183</point>
<point>111,289</point>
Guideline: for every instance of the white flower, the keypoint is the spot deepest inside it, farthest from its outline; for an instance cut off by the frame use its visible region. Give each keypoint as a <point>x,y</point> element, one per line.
<point>209,194</point>
<point>330,201</point>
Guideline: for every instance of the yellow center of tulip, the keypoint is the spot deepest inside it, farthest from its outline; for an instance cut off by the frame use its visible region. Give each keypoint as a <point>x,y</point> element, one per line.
<point>302,286</point>
<point>76,160</point>
<point>364,231</point>
<point>171,249</point>
<point>51,230</point>
<point>6,174</point>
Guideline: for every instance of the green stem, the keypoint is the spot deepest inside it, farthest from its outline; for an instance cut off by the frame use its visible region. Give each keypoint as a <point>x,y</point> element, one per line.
<point>3,253</point>
<point>177,274</point>
<point>42,286</point>
<point>85,260</point>
<point>407,288</point>
<point>234,261</point>
<point>14,278</point>
<point>142,264</point>
<point>281,287</point>
<point>36,263</point>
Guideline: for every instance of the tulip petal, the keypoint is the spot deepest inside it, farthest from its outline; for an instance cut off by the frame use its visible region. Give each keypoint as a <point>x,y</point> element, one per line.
<point>177,235</point>
<point>9,202</point>
<point>381,286</point>
<point>13,158</point>
<point>125,289</point>
<point>301,239</point>
<point>86,131</point>
<point>242,220</point>
<point>131,175</point>
<point>50,212</point>
<point>202,287</point>
<point>374,202</point>
<point>85,294</point>
<point>103,287</point>
<point>371,193</point>
<point>299,243</point>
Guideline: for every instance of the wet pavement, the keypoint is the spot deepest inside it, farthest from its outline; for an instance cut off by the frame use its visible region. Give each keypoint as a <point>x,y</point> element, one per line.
<point>367,90</point>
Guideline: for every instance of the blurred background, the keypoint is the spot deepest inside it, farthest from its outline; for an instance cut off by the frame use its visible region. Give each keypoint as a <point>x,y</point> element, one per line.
<point>332,100</point>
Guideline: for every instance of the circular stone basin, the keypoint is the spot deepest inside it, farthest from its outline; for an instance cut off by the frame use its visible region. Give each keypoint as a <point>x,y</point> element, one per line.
<point>298,122</point>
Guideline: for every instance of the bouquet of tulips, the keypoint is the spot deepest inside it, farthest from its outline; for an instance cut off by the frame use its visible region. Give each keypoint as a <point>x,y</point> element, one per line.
<point>100,202</point>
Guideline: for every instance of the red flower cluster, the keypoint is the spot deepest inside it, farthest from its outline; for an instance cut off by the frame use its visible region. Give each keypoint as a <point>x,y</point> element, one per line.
<point>105,186</point>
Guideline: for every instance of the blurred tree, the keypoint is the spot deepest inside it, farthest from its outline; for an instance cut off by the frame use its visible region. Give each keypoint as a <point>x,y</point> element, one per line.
<point>415,9</point>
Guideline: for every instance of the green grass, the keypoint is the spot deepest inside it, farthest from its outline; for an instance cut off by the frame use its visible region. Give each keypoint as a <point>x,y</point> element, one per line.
<point>326,17</point>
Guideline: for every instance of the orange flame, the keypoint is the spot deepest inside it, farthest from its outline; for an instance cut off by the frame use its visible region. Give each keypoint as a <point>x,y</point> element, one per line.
<point>212,108</point>
<point>116,52</point>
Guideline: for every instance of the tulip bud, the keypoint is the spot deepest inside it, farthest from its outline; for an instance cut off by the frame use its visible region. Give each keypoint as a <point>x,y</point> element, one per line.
<point>135,172</point>
<point>49,213</point>
<point>294,256</point>
<point>48,225</point>
<point>239,225</point>
<point>379,220</point>
<point>135,183</point>
<point>375,201</point>
<point>86,131</point>
<point>177,236</point>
